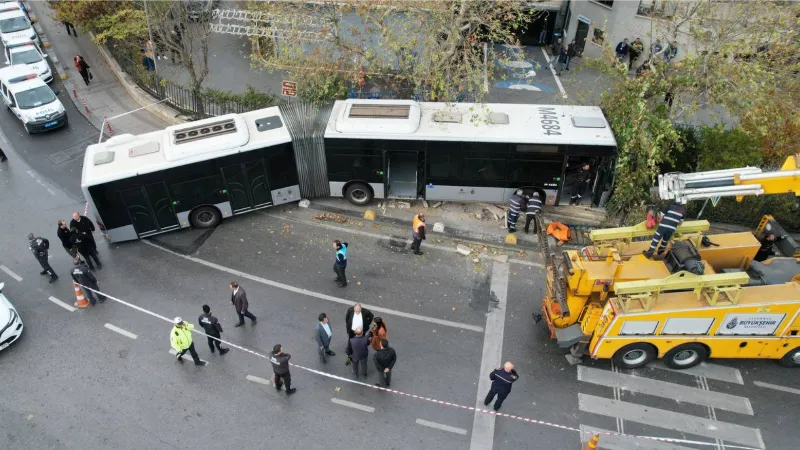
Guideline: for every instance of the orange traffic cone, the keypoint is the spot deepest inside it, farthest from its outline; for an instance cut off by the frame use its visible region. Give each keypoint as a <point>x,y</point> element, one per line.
<point>592,444</point>
<point>82,302</point>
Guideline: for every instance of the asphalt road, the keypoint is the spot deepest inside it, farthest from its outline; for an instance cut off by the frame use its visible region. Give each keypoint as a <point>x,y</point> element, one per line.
<point>73,382</point>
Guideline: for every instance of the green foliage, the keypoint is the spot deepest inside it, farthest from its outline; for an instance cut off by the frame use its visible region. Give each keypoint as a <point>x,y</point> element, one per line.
<point>325,87</point>
<point>747,213</point>
<point>121,25</point>
<point>108,19</point>
<point>251,99</point>
<point>727,149</point>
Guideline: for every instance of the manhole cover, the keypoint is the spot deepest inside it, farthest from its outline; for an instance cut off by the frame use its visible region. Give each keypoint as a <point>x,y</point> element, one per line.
<point>397,241</point>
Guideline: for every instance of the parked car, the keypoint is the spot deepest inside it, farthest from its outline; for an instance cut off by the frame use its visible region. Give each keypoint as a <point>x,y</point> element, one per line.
<point>10,321</point>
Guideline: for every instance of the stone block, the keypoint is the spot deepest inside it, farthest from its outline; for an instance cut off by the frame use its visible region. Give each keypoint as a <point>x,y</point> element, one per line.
<point>304,203</point>
<point>438,227</point>
<point>462,249</point>
<point>403,205</point>
<point>424,204</point>
<point>369,215</point>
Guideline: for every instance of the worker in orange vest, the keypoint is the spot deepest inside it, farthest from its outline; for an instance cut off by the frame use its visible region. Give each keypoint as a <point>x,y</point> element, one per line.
<point>418,232</point>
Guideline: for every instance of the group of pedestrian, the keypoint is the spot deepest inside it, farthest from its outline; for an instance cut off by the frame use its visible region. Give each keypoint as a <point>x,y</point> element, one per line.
<point>563,54</point>
<point>77,241</point>
<point>520,203</point>
<point>357,321</point>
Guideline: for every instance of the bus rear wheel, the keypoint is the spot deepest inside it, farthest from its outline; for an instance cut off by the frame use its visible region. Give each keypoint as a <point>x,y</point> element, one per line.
<point>358,194</point>
<point>205,217</point>
<point>791,359</point>
<point>635,355</point>
<point>685,356</point>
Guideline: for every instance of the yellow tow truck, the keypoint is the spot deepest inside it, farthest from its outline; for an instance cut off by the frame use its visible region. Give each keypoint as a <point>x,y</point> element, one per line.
<point>580,283</point>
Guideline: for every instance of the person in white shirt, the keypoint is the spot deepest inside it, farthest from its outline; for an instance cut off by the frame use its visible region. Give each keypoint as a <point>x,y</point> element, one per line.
<point>323,336</point>
<point>357,317</point>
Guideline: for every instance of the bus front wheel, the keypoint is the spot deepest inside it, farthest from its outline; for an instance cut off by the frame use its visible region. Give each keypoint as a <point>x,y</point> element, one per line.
<point>685,356</point>
<point>358,194</point>
<point>205,217</point>
<point>791,359</point>
<point>636,355</point>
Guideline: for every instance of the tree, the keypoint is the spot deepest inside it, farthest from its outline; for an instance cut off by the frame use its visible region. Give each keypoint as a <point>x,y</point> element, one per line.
<point>184,34</point>
<point>437,49</point>
<point>118,20</point>
<point>741,60</point>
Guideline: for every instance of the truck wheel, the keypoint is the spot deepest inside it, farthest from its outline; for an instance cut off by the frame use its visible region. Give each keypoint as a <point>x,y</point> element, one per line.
<point>791,359</point>
<point>358,194</point>
<point>685,356</point>
<point>636,355</point>
<point>205,217</point>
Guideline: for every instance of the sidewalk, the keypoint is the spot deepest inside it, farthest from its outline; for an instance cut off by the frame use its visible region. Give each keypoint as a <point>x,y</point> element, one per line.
<point>106,96</point>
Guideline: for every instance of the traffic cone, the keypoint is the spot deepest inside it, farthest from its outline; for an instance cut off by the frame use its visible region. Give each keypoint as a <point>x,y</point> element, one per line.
<point>592,444</point>
<point>82,302</point>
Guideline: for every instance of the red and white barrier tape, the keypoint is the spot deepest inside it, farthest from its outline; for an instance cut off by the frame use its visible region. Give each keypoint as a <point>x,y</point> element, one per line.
<point>431,399</point>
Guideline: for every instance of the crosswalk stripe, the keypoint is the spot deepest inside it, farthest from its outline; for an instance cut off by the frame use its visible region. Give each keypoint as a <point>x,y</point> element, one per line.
<point>664,389</point>
<point>663,418</point>
<point>708,370</point>
<point>187,355</point>
<point>617,442</point>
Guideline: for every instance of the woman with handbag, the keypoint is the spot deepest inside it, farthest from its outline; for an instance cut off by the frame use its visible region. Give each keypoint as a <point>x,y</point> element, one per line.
<point>83,68</point>
<point>377,333</point>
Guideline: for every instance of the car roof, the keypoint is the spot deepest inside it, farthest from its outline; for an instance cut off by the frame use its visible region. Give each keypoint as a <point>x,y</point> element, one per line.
<point>20,70</point>
<point>19,48</point>
<point>8,14</point>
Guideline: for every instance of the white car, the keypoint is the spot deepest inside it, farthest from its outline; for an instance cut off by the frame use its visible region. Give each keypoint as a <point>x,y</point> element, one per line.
<point>15,26</point>
<point>10,321</point>
<point>31,100</point>
<point>29,54</point>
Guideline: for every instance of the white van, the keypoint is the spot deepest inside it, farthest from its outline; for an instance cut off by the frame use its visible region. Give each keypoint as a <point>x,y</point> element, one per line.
<point>31,100</point>
<point>29,54</point>
<point>15,26</point>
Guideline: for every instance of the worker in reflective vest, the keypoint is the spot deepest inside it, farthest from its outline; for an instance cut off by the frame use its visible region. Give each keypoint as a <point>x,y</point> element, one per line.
<point>340,263</point>
<point>533,208</point>
<point>418,228</point>
<point>515,205</point>
<point>670,219</point>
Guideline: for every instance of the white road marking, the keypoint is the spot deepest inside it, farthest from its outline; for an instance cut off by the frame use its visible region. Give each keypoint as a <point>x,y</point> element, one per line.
<point>255,379</point>
<point>483,424</point>
<point>11,273</point>
<point>443,248</point>
<point>777,387</point>
<point>318,295</point>
<point>442,427</point>
<point>708,370</point>
<point>119,330</point>
<point>617,442</point>
<point>664,389</point>
<point>58,302</point>
<point>663,418</point>
<point>186,356</point>
<point>553,71</point>
<point>41,182</point>
<point>358,406</point>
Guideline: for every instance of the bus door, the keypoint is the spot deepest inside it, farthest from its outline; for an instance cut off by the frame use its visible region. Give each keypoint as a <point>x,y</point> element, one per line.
<point>247,186</point>
<point>402,169</point>
<point>150,209</point>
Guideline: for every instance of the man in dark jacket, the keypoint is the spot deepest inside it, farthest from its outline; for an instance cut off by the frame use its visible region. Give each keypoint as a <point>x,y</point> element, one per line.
<point>280,367</point>
<point>83,275</point>
<point>65,236</point>
<point>669,219</point>
<point>358,351</point>
<point>357,317</point>
<point>384,362</point>
<point>213,329</point>
<point>84,225</point>
<point>502,378</point>
<point>622,50</point>
<point>39,247</point>
<point>637,47</point>
<point>239,301</point>
<point>322,334</point>
<point>515,205</point>
<point>532,208</point>
<point>581,183</point>
<point>83,243</point>
<point>340,262</point>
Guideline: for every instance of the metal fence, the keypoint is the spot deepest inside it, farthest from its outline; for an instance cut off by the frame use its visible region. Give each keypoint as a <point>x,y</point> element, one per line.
<point>199,105</point>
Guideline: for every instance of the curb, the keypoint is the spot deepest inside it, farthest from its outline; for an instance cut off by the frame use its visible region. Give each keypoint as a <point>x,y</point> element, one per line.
<point>450,232</point>
<point>145,100</point>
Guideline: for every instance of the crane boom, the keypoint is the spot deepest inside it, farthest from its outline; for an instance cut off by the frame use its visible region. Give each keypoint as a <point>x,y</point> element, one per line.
<point>741,182</point>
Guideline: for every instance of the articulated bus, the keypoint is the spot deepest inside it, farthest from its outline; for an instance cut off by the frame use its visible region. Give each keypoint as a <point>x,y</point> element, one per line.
<point>196,174</point>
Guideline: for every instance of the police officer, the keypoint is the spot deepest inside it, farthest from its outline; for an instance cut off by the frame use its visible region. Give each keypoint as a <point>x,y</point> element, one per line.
<point>340,263</point>
<point>514,207</point>
<point>670,218</point>
<point>532,208</point>
<point>39,247</point>
<point>280,367</point>
<point>502,379</point>
<point>580,184</point>
<point>83,275</point>
<point>180,338</point>
<point>418,228</point>
<point>213,329</point>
